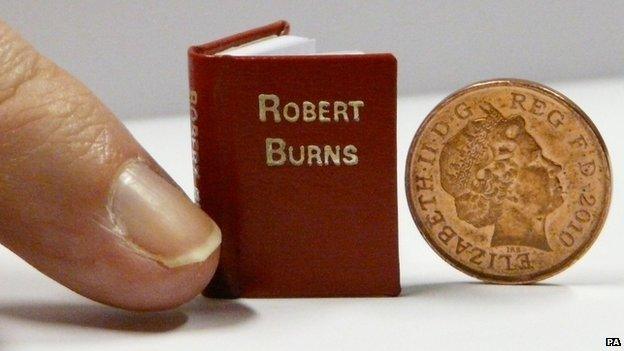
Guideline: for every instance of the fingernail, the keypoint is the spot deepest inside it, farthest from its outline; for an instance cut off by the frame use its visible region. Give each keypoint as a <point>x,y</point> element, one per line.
<point>157,220</point>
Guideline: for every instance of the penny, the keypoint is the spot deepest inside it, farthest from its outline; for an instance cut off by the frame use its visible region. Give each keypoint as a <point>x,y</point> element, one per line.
<point>508,181</point>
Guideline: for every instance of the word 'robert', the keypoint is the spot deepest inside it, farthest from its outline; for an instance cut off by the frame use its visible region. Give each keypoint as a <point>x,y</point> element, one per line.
<point>324,111</point>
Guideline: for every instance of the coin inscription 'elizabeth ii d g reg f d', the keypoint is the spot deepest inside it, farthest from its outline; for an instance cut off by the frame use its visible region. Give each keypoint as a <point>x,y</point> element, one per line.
<point>509,181</point>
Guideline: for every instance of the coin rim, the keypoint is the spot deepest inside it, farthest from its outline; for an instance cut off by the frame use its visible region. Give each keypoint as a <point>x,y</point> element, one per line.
<point>526,278</point>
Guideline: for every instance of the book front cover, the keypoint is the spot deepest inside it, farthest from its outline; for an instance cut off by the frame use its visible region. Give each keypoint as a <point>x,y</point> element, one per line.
<point>308,144</point>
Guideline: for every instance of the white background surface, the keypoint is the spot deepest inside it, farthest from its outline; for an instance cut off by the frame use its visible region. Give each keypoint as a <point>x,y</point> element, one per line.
<point>133,53</point>
<point>440,308</point>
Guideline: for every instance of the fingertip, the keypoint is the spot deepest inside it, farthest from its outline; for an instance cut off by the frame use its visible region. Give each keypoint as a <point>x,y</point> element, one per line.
<point>157,288</point>
<point>158,220</point>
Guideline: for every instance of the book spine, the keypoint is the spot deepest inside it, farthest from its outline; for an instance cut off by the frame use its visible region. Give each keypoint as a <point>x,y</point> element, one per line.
<point>194,140</point>
<point>214,192</point>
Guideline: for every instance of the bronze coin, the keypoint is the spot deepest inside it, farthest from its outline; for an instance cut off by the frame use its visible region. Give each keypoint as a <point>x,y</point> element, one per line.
<point>509,181</point>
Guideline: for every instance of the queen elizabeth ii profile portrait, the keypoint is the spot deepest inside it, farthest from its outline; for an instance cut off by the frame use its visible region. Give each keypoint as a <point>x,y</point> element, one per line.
<point>496,173</point>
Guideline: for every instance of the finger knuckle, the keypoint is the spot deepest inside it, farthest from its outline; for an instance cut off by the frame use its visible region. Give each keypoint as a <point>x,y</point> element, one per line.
<point>55,115</point>
<point>43,110</point>
<point>18,63</point>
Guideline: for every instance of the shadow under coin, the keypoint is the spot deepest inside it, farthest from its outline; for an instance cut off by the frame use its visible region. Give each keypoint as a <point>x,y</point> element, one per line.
<point>480,290</point>
<point>95,316</point>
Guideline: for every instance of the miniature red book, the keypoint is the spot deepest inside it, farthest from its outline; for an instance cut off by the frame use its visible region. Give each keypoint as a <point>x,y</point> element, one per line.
<point>295,159</point>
